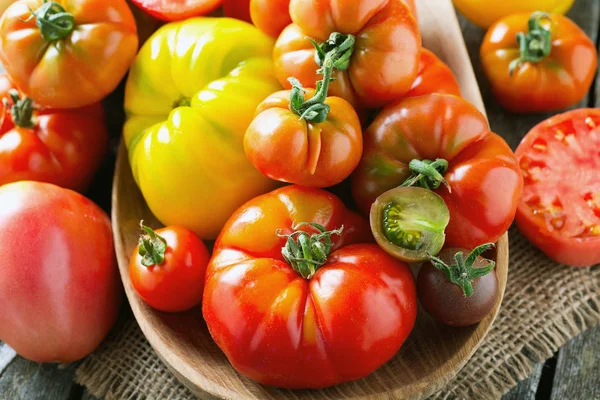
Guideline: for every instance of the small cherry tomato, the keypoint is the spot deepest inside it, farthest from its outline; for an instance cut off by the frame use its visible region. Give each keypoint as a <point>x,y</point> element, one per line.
<point>538,62</point>
<point>559,211</point>
<point>167,268</point>
<point>175,10</point>
<point>433,77</point>
<point>409,223</point>
<point>458,291</point>
<point>315,142</point>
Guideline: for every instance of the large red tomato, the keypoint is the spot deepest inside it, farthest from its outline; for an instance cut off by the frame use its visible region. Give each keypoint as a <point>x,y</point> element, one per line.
<point>560,208</point>
<point>63,147</point>
<point>479,167</point>
<point>59,285</point>
<point>299,317</point>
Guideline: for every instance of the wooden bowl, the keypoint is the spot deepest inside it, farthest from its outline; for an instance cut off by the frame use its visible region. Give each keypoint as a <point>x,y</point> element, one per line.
<point>431,356</point>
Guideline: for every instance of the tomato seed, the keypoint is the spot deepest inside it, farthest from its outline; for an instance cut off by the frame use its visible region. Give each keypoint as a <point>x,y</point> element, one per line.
<point>590,122</point>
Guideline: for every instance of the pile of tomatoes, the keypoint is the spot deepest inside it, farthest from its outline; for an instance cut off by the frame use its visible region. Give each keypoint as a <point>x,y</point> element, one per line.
<point>242,134</point>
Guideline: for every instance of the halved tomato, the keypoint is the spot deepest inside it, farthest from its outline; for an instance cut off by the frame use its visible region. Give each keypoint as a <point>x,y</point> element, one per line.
<point>560,207</point>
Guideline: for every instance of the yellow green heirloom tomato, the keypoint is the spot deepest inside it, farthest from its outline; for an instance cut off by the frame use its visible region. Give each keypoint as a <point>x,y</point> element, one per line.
<point>190,96</point>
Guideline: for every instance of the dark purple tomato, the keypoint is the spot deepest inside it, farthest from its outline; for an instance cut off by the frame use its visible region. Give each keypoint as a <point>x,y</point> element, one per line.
<point>458,288</point>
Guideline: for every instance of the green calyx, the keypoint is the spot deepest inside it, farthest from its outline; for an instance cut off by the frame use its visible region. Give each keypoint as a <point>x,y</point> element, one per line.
<point>21,110</point>
<point>536,44</point>
<point>333,54</point>
<point>462,272</point>
<point>54,21</point>
<point>152,247</point>
<point>427,174</point>
<point>305,252</point>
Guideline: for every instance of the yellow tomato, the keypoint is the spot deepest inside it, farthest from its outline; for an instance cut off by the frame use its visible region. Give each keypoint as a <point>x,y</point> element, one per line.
<point>190,96</point>
<point>484,13</point>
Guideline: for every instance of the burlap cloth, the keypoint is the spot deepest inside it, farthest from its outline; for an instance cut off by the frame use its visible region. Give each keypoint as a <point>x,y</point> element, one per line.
<point>545,305</point>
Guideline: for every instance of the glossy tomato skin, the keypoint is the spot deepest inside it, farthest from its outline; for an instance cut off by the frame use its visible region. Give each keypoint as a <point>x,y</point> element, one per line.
<point>558,81</point>
<point>176,10</point>
<point>484,13</point>
<point>433,76</point>
<point>178,283</point>
<point>185,105</point>
<point>78,70</point>
<point>483,172</point>
<point>375,77</point>
<point>286,148</point>
<point>560,208</point>
<point>270,16</point>
<point>59,286</point>
<point>446,301</point>
<point>283,330</point>
<point>64,147</point>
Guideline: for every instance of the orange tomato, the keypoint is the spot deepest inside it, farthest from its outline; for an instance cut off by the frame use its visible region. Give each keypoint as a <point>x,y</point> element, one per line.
<point>75,60</point>
<point>291,149</point>
<point>382,64</point>
<point>433,77</point>
<point>538,62</point>
<point>270,16</point>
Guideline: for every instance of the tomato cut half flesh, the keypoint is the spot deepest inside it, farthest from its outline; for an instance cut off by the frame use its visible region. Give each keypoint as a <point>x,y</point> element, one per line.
<point>175,10</point>
<point>560,207</point>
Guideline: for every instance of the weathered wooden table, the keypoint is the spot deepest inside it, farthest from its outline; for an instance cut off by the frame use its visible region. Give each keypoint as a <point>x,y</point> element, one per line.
<point>572,374</point>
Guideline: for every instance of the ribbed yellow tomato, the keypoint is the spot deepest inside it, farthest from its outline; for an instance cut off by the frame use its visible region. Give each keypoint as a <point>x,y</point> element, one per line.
<point>484,13</point>
<point>190,96</point>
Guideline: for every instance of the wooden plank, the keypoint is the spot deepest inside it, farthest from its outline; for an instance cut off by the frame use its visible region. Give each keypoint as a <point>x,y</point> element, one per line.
<point>526,389</point>
<point>26,380</point>
<point>514,126</point>
<point>7,354</point>
<point>577,374</point>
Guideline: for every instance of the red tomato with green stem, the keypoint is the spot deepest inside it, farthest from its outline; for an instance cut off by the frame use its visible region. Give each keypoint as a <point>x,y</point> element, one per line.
<point>167,268</point>
<point>294,303</point>
<point>315,142</point>
<point>63,147</point>
<point>176,10</point>
<point>475,171</point>
<point>60,289</point>
<point>559,211</point>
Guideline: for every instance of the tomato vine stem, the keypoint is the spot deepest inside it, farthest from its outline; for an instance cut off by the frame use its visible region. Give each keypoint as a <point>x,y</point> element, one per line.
<point>462,272</point>
<point>536,44</point>
<point>305,252</point>
<point>54,21</point>
<point>21,110</point>
<point>427,174</point>
<point>333,54</point>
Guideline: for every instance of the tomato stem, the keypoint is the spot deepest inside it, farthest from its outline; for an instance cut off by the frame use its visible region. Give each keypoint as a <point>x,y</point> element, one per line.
<point>333,54</point>
<point>53,20</point>
<point>305,252</point>
<point>427,174</point>
<point>462,272</point>
<point>536,44</point>
<point>152,247</point>
<point>21,110</point>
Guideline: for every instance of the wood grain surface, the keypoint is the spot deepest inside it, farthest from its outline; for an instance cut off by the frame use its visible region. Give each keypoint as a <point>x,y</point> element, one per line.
<point>432,355</point>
